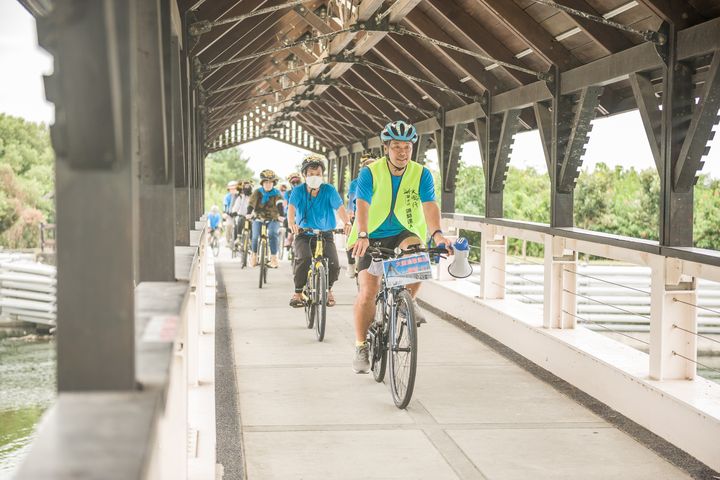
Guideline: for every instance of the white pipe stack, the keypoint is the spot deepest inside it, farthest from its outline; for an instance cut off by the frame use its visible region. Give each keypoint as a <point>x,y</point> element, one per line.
<point>27,290</point>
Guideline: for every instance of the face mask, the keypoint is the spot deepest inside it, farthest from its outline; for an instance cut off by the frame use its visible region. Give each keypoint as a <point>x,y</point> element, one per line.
<point>314,182</point>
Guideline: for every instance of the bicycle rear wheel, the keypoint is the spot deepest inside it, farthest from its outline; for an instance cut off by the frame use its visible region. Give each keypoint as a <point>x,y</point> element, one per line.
<point>321,305</point>
<point>403,350</point>
<point>262,262</point>
<point>377,340</point>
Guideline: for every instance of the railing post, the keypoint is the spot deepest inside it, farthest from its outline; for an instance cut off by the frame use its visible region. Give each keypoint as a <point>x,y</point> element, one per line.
<point>492,268</point>
<point>560,285</point>
<point>672,317</point>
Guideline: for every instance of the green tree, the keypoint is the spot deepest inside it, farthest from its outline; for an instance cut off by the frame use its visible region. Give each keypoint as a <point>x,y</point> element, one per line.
<point>220,168</point>
<point>26,181</point>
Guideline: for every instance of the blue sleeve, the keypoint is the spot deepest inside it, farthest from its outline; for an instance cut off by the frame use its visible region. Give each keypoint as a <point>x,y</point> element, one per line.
<point>295,197</point>
<point>427,187</point>
<point>226,202</point>
<point>364,189</point>
<point>335,198</point>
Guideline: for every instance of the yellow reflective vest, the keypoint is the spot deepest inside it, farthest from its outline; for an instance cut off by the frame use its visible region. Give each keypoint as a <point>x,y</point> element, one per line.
<point>408,207</point>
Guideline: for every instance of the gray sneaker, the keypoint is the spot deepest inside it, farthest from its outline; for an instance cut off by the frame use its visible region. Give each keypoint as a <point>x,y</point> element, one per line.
<point>419,315</point>
<point>361,362</point>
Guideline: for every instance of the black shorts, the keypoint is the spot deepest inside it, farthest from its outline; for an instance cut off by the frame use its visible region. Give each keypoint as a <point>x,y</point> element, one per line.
<point>387,242</point>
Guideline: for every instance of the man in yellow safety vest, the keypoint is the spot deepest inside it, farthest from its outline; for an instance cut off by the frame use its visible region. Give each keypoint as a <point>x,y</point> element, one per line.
<point>395,207</point>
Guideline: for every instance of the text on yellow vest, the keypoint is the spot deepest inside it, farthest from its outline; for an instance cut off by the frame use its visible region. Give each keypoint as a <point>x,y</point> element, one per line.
<point>408,207</point>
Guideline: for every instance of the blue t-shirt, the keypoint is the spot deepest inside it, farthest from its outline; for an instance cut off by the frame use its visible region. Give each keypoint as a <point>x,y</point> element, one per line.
<point>214,219</point>
<point>391,226</point>
<point>316,212</point>
<point>352,194</point>
<point>227,203</point>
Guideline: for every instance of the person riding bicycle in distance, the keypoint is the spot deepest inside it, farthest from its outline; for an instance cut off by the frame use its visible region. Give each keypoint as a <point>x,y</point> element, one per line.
<point>312,206</point>
<point>264,205</point>
<point>395,207</point>
<point>214,219</point>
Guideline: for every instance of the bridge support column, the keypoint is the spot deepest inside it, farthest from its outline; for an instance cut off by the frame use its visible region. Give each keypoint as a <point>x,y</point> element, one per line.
<point>156,258</point>
<point>93,146</point>
<point>560,285</point>
<point>492,269</point>
<point>179,157</point>
<point>673,316</point>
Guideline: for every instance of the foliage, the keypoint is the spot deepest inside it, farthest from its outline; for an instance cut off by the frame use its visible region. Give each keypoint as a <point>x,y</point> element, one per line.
<point>26,181</point>
<point>612,200</point>
<point>220,168</point>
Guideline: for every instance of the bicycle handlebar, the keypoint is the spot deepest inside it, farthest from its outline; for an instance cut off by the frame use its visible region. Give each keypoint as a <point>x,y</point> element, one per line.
<point>315,231</point>
<point>386,253</point>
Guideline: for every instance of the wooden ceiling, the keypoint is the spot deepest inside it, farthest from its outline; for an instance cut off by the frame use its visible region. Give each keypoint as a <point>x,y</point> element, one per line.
<point>341,103</point>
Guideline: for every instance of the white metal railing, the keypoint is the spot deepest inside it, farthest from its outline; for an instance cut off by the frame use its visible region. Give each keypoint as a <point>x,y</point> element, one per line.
<point>27,289</point>
<point>673,281</point>
<point>169,456</point>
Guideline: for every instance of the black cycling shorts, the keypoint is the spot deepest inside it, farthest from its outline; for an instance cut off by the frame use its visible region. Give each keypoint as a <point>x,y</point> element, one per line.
<point>387,242</point>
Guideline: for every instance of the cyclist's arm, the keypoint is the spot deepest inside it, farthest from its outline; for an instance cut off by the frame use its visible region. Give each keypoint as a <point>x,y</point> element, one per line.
<point>343,214</point>
<point>361,218</point>
<point>432,218</point>
<point>291,219</point>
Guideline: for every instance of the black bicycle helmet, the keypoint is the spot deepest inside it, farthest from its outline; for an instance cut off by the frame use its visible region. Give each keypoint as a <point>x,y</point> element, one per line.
<point>312,161</point>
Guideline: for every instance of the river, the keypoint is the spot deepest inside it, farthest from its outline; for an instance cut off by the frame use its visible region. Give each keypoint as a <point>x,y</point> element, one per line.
<point>27,389</point>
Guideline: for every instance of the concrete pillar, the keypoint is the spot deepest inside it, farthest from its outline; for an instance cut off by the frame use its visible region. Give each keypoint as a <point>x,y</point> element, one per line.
<point>560,285</point>
<point>672,300</point>
<point>95,297</point>
<point>492,269</point>
<point>156,229</point>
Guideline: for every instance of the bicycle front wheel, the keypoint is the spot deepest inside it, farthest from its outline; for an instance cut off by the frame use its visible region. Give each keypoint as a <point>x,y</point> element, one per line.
<point>321,289</point>
<point>403,350</point>
<point>244,247</point>
<point>262,263</point>
<point>377,339</point>
<point>215,246</point>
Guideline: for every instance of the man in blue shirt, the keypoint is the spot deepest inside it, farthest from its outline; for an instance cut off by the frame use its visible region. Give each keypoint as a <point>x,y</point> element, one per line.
<point>365,160</point>
<point>386,219</point>
<point>312,205</point>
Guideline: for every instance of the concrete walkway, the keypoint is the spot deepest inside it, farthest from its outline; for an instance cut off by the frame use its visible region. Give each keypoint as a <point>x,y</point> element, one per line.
<point>475,415</point>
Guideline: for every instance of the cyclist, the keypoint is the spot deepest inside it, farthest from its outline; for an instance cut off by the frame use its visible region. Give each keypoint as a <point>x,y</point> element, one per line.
<point>365,160</point>
<point>228,202</point>
<point>294,179</point>
<point>388,219</point>
<point>313,206</point>
<point>264,204</point>
<point>240,207</point>
<point>214,219</point>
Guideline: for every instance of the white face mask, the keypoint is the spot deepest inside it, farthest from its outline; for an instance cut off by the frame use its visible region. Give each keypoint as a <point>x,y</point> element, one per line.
<point>314,181</point>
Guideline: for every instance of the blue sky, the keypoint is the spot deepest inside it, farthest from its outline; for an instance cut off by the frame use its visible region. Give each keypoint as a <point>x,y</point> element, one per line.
<point>618,140</point>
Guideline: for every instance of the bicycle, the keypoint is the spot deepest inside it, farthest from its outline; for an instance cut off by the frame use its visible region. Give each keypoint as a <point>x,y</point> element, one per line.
<point>244,242</point>
<point>393,332</point>
<point>263,252</point>
<point>316,287</point>
<point>215,241</point>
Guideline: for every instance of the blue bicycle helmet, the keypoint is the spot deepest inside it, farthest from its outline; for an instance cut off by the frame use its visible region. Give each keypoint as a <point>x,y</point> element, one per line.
<point>399,130</point>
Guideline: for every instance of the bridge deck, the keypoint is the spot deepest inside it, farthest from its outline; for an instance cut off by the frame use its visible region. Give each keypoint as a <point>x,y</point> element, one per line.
<point>303,413</point>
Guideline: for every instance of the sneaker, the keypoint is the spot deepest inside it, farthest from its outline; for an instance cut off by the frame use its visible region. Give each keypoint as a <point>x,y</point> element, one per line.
<point>361,361</point>
<point>274,261</point>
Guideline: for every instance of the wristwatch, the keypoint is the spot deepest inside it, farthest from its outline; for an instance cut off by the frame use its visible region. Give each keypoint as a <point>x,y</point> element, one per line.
<point>362,235</point>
